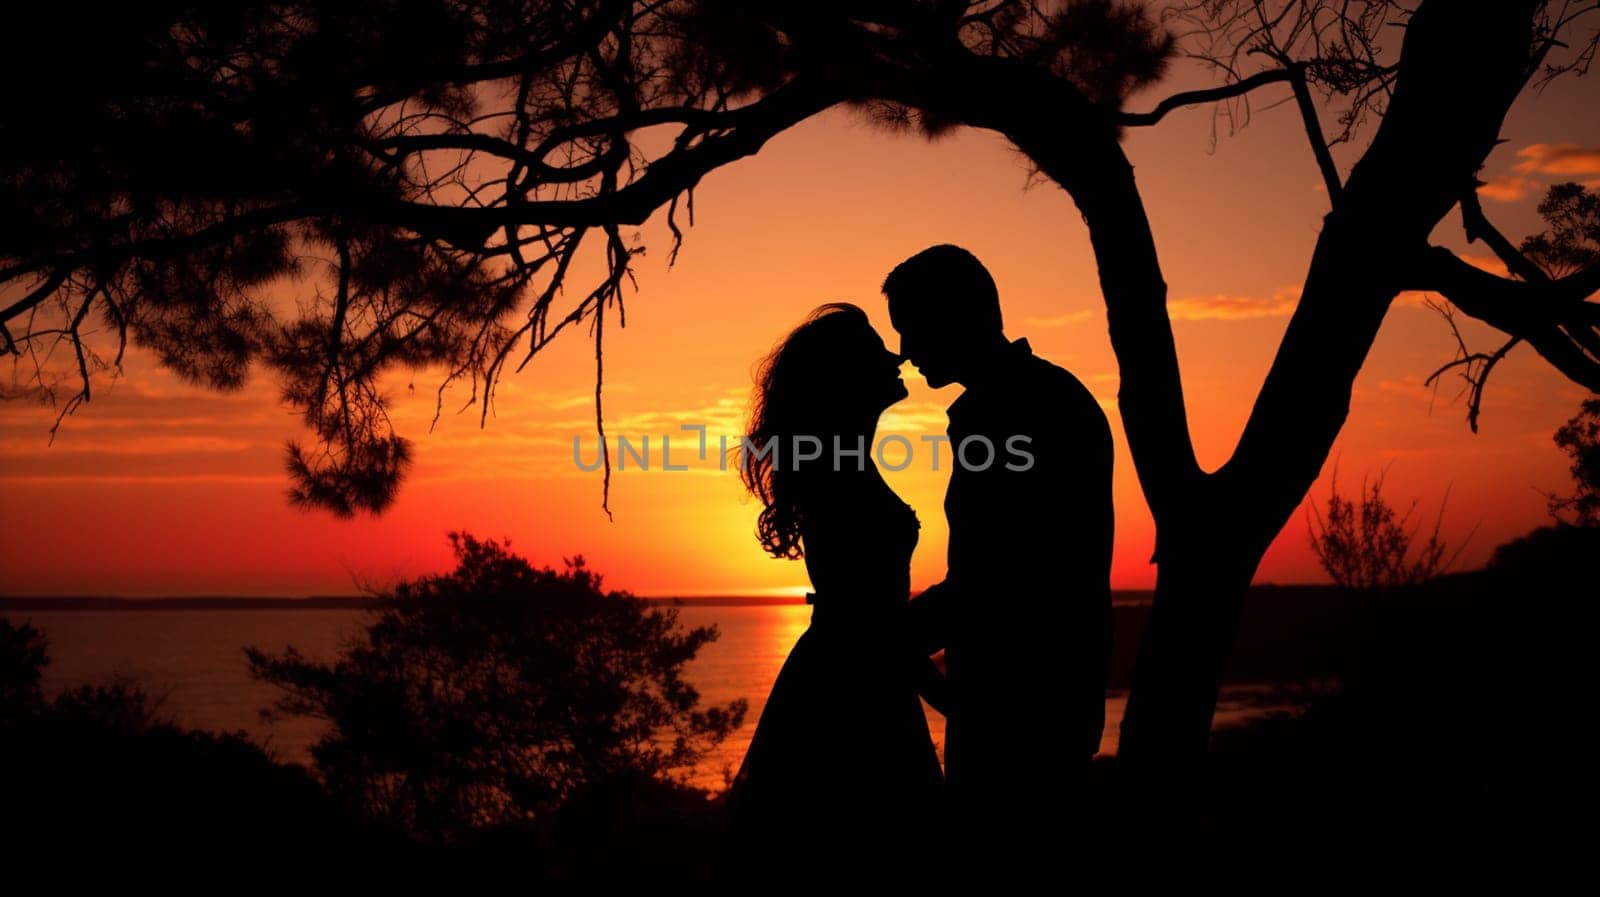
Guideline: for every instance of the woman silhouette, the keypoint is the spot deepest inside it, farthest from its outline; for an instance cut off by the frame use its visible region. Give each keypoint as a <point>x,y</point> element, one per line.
<point>842,746</point>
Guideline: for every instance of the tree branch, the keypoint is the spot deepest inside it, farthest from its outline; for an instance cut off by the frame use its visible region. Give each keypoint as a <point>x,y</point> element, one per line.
<point>748,129</point>
<point>1552,316</point>
<point>1477,365</point>
<point>50,285</point>
<point>533,159</point>
<point>1319,142</point>
<point>1477,227</point>
<point>1196,97</point>
<point>742,133</point>
<point>112,254</point>
<point>1504,303</point>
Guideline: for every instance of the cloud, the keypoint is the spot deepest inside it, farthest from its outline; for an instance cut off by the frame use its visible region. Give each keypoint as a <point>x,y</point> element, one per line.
<point>1066,320</point>
<point>725,413</point>
<point>1224,307</point>
<point>1558,159</point>
<point>1552,160</point>
<point>1506,188</point>
<point>568,403</point>
<point>53,480</point>
<point>1409,387</point>
<point>914,417</point>
<point>137,445</point>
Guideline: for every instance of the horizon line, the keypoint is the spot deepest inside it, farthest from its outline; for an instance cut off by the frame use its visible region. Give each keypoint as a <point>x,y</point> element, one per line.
<point>21,600</point>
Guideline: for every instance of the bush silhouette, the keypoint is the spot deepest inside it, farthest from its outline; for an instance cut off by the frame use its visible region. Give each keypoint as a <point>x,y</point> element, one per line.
<point>1364,543</point>
<point>1579,438</point>
<point>22,661</point>
<point>496,693</point>
<point>100,765</point>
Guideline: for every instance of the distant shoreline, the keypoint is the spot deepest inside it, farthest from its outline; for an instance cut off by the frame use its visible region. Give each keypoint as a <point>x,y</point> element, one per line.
<point>1286,633</point>
<point>313,602</point>
<point>1123,598</point>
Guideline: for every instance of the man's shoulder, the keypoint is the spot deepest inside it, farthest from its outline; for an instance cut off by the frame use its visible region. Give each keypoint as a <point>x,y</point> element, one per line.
<point>1048,373</point>
<point>1042,378</point>
<point>1029,383</point>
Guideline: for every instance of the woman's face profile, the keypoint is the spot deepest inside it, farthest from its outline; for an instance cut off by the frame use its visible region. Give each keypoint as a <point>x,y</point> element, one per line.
<point>873,370</point>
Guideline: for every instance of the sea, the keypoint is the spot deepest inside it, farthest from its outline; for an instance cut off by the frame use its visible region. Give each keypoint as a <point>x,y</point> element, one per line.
<point>192,661</point>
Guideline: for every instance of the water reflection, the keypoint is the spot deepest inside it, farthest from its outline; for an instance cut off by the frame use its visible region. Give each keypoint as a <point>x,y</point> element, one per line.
<point>195,659</point>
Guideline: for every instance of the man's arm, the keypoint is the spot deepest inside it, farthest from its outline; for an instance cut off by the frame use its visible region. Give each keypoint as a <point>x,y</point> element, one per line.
<point>928,617</point>
<point>927,625</point>
<point>933,685</point>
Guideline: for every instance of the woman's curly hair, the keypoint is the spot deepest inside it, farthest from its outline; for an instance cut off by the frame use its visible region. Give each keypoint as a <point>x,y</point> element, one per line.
<point>798,392</point>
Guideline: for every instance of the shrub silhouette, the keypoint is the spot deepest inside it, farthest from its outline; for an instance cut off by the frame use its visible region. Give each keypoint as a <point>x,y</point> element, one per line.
<point>100,765</point>
<point>492,695</point>
<point>22,661</point>
<point>1364,543</point>
<point>1580,439</point>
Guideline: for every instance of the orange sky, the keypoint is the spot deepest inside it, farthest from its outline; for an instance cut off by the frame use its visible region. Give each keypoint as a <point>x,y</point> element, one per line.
<point>160,488</point>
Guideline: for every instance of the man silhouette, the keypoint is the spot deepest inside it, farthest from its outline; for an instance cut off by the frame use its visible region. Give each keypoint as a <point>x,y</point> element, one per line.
<point>1024,611</point>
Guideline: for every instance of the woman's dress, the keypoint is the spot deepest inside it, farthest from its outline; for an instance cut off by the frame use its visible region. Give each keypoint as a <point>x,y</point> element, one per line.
<point>843,742</point>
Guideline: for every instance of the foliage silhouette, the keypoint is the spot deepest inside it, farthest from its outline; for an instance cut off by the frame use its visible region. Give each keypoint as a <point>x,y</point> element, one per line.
<point>1364,543</point>
<point>1572,240</point>
<point>100,764</point>
<point>23,656</point>
<point>1580,439</point>
<point>1558,560</point>
<point>494,694</point>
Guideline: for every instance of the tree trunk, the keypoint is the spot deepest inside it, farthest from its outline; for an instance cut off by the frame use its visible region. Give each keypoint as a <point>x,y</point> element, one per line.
<point>1462,65</point>
<point>1177,677</point>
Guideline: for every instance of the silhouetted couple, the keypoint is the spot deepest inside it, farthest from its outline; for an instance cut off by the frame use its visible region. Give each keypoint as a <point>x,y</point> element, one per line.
<point>841,757</point>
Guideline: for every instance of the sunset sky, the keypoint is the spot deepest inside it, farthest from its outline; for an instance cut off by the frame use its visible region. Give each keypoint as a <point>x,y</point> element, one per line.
<point>158,488</point>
